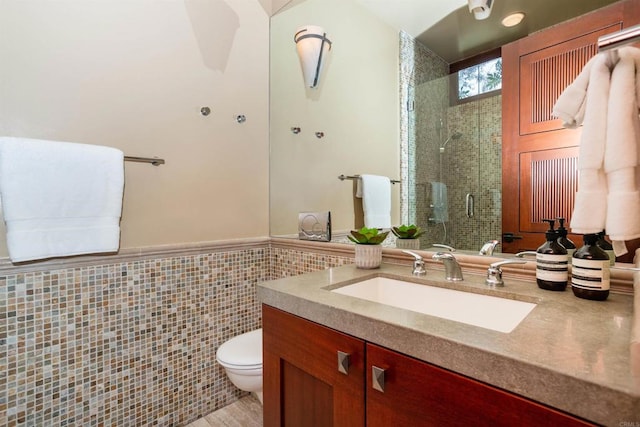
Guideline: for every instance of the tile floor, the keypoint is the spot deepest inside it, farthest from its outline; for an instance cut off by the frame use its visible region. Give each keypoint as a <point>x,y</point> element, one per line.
<point>246,412</point>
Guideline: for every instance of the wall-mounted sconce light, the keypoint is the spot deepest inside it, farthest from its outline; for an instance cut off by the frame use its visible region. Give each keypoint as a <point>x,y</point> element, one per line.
<point>313,46</point>
<point>481,9</point>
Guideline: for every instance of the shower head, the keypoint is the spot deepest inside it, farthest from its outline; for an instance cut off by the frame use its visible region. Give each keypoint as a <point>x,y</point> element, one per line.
<point>455,136</point>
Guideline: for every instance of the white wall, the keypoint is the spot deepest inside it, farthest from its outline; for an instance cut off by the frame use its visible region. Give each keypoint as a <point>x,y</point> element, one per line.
<point>133,75</point>
<point>356,106</point>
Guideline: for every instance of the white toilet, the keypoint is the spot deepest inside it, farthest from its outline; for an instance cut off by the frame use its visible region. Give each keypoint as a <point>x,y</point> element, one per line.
<point>241,358</point>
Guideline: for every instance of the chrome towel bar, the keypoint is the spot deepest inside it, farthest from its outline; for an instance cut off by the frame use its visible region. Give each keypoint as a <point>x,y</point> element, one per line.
<point>343,177</point>
<point>619,38</point>
<point>153,160</point>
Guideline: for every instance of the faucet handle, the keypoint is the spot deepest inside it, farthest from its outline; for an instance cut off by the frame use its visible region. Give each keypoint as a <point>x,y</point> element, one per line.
<point>418,264</point>
<point>413,254</point>
<point>524,253</point>
<point>443,246</point>
<point>494,272</point>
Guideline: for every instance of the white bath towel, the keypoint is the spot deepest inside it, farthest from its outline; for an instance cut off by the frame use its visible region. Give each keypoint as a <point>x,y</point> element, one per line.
<point>439,200</point>
<point>376,201</point>
<point>621,152</point>
<point>60,198</point>
<point>571,105</point>
<point>589,214</point>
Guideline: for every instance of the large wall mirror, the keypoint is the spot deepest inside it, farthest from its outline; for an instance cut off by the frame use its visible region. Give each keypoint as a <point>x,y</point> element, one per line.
<point>387,105</point>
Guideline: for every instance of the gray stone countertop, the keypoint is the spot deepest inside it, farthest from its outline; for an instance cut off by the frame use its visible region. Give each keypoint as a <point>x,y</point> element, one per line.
<point>569,353</point>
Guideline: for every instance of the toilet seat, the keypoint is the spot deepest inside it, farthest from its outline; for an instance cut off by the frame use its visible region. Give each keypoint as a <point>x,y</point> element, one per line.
<point>243,352</point>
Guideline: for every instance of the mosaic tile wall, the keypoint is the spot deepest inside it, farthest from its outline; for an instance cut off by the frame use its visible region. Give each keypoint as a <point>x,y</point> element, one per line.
<point>132,343</point>
<point>469,165</point>
<point>477,158</point>
<point>418,65</point>
<point>288,262</point>
<point>125,344</point>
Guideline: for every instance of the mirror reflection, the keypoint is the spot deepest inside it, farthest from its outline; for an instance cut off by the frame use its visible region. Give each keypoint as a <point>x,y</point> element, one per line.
<point>387,105</point>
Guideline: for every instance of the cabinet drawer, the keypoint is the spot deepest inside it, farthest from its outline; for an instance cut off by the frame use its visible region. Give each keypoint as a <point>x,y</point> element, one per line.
<point>420,394</point>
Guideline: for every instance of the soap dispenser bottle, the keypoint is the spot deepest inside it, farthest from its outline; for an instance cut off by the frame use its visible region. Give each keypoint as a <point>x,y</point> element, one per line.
<point>590,275</point>
<point>606,246</point>
<point>564,240</point>
<point>552,269</point>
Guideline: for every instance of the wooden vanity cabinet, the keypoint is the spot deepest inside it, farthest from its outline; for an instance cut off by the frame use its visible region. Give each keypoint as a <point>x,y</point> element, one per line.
<point>301,381</point>
<point>303,387</point>
<point>420,394</point>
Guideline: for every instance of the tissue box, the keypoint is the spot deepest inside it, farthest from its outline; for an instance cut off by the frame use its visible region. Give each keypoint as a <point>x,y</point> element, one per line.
<point>314,226</point>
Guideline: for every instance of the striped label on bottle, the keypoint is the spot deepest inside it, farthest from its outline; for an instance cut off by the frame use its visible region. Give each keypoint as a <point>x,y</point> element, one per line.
<point>552,268</point>
<point>591,274</point>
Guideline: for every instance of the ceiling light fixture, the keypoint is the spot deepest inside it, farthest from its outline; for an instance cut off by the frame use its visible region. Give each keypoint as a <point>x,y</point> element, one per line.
<point>512,19</point>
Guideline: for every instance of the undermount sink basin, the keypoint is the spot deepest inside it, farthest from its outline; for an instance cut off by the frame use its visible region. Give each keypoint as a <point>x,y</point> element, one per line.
<point>497,314</point>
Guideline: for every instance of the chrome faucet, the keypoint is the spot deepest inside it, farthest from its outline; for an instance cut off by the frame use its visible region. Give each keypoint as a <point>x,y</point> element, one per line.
<point>494,273</point>
<point>418,264</point>
<point>447,247</point>
<point>452,270</point>
<point>488,248</point>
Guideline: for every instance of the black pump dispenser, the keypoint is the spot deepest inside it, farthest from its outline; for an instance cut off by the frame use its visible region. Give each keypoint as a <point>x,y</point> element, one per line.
<point>552,270</point>
<point>606,246</point>
<point>564,240</point>
<point>590,276</point>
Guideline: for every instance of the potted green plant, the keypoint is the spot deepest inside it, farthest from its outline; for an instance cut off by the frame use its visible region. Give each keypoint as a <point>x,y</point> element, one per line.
<point>407,236</point>
<point>368,246</point>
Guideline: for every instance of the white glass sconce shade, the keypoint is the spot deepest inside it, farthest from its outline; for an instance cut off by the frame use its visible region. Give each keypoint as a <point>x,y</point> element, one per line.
<point>313,46</point>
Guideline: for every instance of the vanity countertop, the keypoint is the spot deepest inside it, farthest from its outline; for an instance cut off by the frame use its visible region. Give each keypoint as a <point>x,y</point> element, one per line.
<point>569,353</point>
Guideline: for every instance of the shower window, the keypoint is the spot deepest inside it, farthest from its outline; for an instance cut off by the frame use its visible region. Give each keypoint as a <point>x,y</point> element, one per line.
<point>476,78</point>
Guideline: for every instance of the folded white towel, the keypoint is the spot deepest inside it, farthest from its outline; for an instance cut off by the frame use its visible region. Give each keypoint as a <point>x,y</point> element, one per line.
<point>376,201</point>
<point>60,198</point>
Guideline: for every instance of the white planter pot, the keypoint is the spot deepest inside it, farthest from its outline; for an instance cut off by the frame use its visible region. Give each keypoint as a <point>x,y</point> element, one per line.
<point>408,244</point>
<point>368,256</point>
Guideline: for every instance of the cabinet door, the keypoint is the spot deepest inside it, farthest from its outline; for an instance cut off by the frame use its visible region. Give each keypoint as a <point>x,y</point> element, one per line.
<point>419,394</point>
<point>303,383</point>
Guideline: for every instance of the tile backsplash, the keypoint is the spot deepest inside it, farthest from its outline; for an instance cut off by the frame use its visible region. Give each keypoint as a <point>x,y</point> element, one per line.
<point>131,343</point>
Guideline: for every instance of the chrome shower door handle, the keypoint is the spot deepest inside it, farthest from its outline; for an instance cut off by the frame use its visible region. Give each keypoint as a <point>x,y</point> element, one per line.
<point>343,362</point>
<point>377,378</point>
<point>470,205</point>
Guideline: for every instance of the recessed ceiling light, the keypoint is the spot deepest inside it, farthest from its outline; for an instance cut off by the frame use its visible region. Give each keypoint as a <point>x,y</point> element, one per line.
<point>513,19</point>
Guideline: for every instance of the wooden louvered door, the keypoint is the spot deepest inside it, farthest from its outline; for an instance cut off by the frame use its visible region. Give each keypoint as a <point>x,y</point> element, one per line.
<point>544,74</point>
<point>539,157</point>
